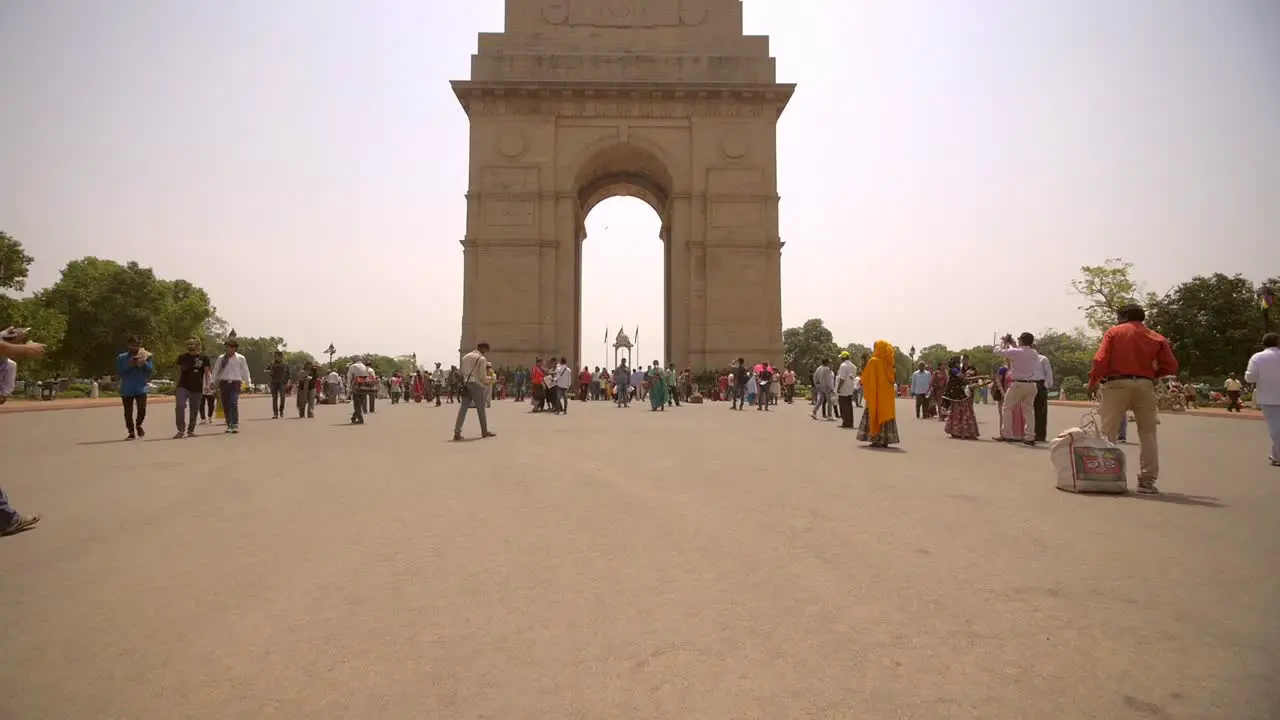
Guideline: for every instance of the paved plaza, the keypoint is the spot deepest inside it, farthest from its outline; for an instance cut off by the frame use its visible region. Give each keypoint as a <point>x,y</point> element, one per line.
<point>627,564</point>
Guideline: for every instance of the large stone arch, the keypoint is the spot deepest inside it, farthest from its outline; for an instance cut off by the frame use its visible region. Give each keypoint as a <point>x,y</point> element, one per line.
<point>580,100</point>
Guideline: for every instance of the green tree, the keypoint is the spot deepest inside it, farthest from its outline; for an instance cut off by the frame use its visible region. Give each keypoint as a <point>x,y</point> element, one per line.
<point>1105,288</point>
<point>15,263</point>
<point>981,358</point>
<point>104,302</point>
<point>47,326</point>
<point>856,351</point>
<point>902,366</point>
<point>297,359</point>
<point>935,355</point>
<point>259,352</point>
<point>804,347</point>
<point>1070,354</point>
<point>213,333</point>
<point>1213,323</point>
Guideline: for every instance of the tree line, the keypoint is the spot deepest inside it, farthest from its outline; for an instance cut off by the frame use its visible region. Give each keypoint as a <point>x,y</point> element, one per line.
<point>1213,323</point>
<point>85,317</point>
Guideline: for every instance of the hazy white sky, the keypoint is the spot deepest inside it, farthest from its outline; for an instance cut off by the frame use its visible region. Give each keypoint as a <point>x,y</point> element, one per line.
<point>944,166</point>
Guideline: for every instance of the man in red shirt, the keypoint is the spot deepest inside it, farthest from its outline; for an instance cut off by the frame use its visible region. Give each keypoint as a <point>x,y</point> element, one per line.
<point>1129,361</point>
<point>538,379</point>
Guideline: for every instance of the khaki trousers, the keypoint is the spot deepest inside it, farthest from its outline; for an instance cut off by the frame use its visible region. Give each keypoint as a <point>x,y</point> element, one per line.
<point>1021,394</point>
<point>1122,396</point>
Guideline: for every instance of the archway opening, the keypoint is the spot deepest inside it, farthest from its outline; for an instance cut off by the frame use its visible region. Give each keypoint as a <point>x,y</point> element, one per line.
<point>622,281</point>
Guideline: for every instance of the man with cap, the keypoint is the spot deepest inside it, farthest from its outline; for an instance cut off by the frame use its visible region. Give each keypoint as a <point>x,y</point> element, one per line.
<point>845,388</point>
<point>230,373</point>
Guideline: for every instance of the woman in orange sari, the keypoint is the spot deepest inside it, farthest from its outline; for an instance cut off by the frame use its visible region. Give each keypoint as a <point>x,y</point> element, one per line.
<point>879,425</point>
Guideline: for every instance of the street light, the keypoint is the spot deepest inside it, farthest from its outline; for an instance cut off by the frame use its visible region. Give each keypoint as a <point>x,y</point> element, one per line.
<point>1266,298</point>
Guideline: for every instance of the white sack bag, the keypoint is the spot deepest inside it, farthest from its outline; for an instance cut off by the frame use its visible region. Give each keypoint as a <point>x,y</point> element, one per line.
<point>1086,462</point>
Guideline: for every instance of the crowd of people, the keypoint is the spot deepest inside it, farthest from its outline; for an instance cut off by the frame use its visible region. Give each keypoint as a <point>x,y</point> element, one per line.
<point>1127,368</point>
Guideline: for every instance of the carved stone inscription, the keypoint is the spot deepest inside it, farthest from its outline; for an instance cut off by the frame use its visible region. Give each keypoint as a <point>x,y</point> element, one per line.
<point>510,180</point>
<point>613,108</point>
<point>624,13</point>
<point>509,213</point>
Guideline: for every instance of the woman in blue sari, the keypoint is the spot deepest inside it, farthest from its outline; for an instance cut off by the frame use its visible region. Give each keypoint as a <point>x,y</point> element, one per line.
<point>657,387</point>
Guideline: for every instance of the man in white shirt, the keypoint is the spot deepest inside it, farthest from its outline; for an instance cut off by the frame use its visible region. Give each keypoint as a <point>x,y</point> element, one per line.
<point>921,385</point>
<point>1264,375</point>
<point>564,382</point>
<point>1044,380</point>
<point>13,344</point>
<point>1024,362</point>
<point>845,389</point>
<point>8,378</point>
<point>361,381</point>
<point>230,373</point>
<point>437,383</point>
<point>474,390</point>
<point>824,382</point>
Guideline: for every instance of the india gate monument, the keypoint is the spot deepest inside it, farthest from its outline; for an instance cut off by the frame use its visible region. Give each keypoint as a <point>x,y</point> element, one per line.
<point>581,100</point>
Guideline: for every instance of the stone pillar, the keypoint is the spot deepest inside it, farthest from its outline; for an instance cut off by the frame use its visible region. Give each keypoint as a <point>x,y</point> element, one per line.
<point>566,272</point>
<point>678,310</point>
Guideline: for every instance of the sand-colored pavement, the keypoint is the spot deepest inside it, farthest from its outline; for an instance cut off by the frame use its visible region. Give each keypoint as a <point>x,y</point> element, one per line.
<point>624,564</point>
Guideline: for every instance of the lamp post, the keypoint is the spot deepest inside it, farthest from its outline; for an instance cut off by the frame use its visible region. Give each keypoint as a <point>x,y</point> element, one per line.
<point>1266,298</point>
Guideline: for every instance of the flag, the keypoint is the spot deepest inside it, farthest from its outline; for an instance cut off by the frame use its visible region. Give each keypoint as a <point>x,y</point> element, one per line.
<point>1266,298</point>
<point>637,335</point>
<point>606,333</point>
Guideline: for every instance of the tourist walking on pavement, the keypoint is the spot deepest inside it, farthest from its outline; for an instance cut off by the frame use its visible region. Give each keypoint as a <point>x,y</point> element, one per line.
<point>622,385</point>
<point>879,424</point>
<point>194,370</point>
<point>824,384</point>
<point>1264,375</point>
<point>306,390</point>
<point>921,384</point>
<point>741,376</point>
<point>472,369</point>
<point>230,374</point>
<point>1129,359</point>
<point>363,385</point>
<point>278,373</point>
<point>1044,380</point>
<point>208,398</point>
<point>844,389</point>
<point>134,366</point>
<point>1024,362</point>
<point>14,345</point>
<point>1233,388</point>
<point>764,387</point>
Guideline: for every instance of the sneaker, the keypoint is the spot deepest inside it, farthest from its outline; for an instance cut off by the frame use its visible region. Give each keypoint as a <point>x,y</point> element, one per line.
<point>457,437</point>
<point>1123,440</point>
<point>131,436</point>
<point>235,429</point>
<point>24,522</point>
<point>141,432</point>
<point>179,435</point>
<point>1147,487</point>
<point>488,434</point>
<point>1274,462</point>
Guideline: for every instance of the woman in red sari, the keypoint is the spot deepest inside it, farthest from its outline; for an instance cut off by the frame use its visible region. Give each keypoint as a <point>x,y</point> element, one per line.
<point>418,387</point>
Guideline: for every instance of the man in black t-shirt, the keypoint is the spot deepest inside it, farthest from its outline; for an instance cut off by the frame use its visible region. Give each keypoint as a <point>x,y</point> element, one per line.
<point>739,390</point>
<point>193,368</point>
<point>279,372</point>
<point>763,380</point>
